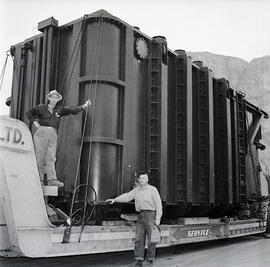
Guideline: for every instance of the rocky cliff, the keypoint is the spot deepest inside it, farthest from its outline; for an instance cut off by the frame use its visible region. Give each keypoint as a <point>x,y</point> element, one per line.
<point>252,78</point>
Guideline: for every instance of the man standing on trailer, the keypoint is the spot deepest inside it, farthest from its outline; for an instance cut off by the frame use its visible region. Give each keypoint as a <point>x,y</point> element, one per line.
<point>149,207</point>
<point>46,118</point>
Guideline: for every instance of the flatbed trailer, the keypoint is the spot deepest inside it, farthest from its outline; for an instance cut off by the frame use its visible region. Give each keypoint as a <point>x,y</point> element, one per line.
<point>25,229</point>
<point>100,239</point>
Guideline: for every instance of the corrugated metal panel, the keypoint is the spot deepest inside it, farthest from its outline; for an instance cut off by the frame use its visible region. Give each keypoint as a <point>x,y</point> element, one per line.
<point>152,109</point>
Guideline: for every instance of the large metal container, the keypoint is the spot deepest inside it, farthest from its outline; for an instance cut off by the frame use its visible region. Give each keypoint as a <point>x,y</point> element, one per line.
<point>153,109</point>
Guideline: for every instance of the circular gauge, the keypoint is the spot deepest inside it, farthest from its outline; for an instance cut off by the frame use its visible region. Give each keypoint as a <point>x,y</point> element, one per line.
<point>142,48</point>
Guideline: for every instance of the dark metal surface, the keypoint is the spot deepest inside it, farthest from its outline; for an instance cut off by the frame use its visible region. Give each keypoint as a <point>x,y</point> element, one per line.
<point>152,110</point>
<point>223,150</point>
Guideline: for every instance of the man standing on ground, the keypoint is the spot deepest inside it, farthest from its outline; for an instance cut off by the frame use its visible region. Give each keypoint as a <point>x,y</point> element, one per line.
<point>46,118</point>
<point>149,207</point>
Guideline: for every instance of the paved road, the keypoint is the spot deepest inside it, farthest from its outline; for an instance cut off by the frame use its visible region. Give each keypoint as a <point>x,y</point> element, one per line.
<point>252,251</point>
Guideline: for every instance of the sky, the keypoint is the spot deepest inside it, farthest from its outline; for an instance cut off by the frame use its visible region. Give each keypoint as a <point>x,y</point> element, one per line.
<point>238,28</point>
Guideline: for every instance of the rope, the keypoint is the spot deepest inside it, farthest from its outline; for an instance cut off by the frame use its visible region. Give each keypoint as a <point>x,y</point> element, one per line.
<point>16,69</point>
<point>93,117</point>
<point>16,74</point>
<point>88,201</point>
<point>84,128</point>
<point>4,70</point>
<point>70,220</point>
<point>77,45</point>
<point>68,229</point>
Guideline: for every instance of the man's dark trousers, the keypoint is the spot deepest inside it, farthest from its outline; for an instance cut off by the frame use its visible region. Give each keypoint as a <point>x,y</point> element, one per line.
<point>146,220</point>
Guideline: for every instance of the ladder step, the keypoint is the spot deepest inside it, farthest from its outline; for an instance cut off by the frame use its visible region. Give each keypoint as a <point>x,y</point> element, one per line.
<point>50,190</point>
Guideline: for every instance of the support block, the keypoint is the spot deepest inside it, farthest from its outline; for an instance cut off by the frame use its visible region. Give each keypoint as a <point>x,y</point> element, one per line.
<point>195,220</point>
<point>50,190</point>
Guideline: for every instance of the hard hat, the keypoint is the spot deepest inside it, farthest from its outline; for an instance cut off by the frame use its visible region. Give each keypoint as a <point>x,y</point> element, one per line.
<point>54,92</point>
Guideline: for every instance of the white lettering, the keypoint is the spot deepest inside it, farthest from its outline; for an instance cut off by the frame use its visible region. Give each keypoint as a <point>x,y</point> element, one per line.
<point>199,232</point>
<point>11,135</point>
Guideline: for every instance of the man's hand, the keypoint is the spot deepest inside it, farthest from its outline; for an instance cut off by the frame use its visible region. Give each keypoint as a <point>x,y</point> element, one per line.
<point>87,104</point>
<point>157,221</point>
<point>36,124</point>
<point>110,201</point>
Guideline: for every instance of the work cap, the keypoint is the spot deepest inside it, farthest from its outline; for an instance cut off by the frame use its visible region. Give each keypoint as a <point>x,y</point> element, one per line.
<point>54,92</point>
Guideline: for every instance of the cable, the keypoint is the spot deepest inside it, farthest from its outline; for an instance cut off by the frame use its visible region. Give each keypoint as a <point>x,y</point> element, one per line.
<point>92,122</point>
<point>83,132</point>
<point>71,220</point>
<point>88,201</point>
<point>77,45</point>
<point>4,70</point>
<point>84,219</point>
